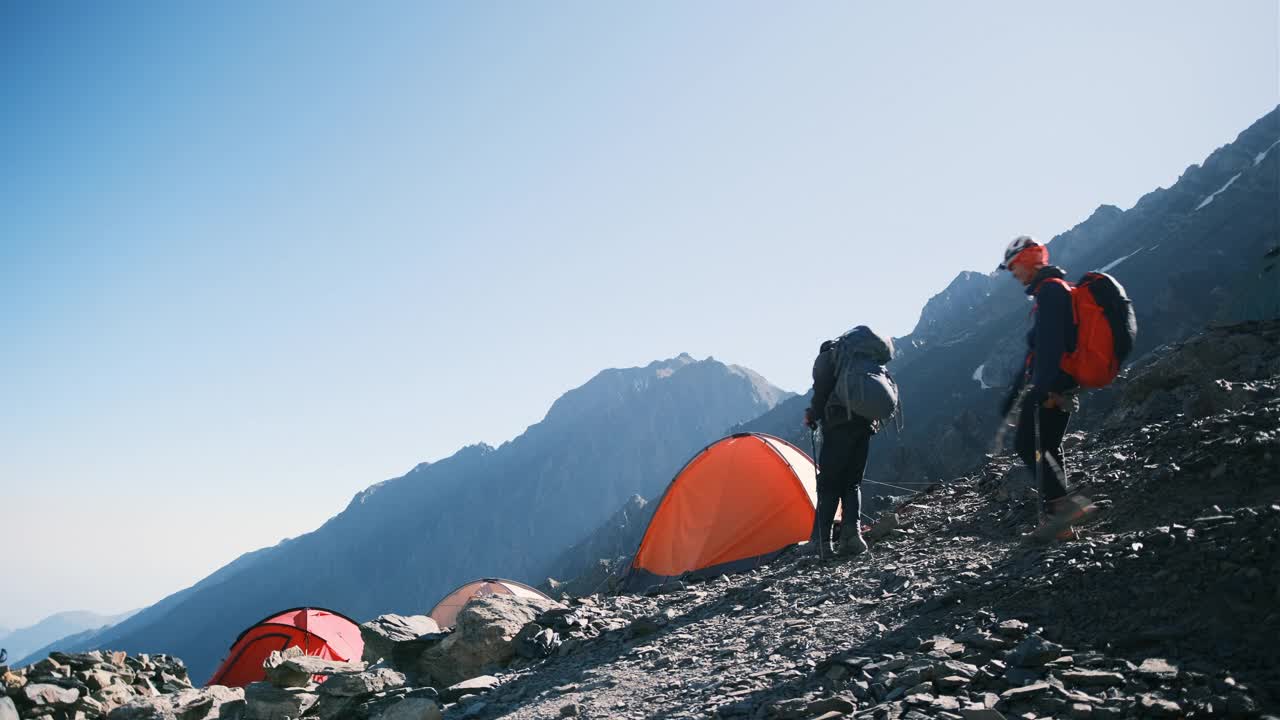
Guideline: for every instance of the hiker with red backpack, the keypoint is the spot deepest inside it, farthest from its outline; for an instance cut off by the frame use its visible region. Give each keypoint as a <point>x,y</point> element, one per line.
<point>1081,335</point>
<point>852,394</point>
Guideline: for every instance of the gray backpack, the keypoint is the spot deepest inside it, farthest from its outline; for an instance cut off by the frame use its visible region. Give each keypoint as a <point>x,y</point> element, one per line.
<point>863,384</point>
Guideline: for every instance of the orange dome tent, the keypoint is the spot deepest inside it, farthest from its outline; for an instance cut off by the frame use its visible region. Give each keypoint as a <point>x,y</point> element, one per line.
<point>445,613</point>
<point>319,632</point>
<point>738,503</point>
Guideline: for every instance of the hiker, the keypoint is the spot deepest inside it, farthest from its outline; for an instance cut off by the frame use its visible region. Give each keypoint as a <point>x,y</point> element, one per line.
<point>1047,392</point>
<point>856,358</point>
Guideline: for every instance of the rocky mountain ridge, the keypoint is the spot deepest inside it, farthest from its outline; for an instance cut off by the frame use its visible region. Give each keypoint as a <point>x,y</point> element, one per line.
<point>1163,607</point>
<point>1189,255</point>
<point>1186,262</point>
<point>505,511</point>
<point>30,643</point>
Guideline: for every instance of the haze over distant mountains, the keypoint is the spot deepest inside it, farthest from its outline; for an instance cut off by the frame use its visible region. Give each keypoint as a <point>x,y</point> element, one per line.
<point>29,640</point>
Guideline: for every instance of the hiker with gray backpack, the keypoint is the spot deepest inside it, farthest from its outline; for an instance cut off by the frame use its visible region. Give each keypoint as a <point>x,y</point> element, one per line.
<point>853,394</point>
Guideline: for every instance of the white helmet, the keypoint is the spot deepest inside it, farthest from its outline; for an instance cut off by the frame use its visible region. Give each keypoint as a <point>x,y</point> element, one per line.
<point>1020,243</point>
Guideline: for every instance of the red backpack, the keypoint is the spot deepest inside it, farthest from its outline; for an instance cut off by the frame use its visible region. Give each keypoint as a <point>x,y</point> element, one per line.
<point>1105,329</point>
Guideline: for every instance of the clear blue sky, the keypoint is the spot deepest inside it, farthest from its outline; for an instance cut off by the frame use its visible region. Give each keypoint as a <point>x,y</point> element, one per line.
<point>257,256</point>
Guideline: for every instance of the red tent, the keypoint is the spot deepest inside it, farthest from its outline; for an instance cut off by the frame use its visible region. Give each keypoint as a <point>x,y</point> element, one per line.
<point>319,632</point>
<point>734,506</point>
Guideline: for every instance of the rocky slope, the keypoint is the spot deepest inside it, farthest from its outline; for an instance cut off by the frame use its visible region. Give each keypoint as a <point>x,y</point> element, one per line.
<point>505,511</point>
<point>1165,606</point>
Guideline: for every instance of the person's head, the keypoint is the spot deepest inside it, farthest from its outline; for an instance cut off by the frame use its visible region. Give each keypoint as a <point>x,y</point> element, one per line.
<point>1024,257</point>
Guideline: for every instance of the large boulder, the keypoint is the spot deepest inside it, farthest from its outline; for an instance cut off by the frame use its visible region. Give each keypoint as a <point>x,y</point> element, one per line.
<point>151,708</point>
<point>115,695</point>
<point>212,703</point>
<point>384,633</point>
<point>264,701</point>
<point>483,637</point>
<point>7,709</point>
<point>41,696</point>
<point>291,668</point>
<point>11,682</point>
<point>420,704</point>
<point>375,680</point>
<point>411,708</point>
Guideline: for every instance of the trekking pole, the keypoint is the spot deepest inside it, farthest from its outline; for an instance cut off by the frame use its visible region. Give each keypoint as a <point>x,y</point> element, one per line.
<point>1039,455</point>
<point>813,446</point>
<point>816,535</point>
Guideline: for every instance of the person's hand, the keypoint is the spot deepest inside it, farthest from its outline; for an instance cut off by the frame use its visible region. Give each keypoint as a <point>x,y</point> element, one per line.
<point>1010,399</point>
<point>1054,400</point>
<point>809,422</point>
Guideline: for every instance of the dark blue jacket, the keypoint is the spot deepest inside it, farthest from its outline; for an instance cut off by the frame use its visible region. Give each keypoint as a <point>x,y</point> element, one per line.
<point>1052,336</point>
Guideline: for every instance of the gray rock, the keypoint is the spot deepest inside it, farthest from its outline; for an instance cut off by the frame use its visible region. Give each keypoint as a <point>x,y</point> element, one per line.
<point>382,634</point>
<point>951,682</point>
<point>1092,678</point>
<point>1025,692</point>
<point>1241,705</point>
<point>296,670</point>
<point>472,686</point>
<point>151,708</point>
<point>945,703</point>
<point>42,695</point>
<point>215,701</point>
<point>87,705</point>
<point>410,708</point>
<point>914,675</point>
<point>96,680</point>
<point>484,636</point>
<point>1159,707</point>
<point>884,527</point>
<point>1015,629</point>
<point>7,709</point>
<point>115,695</point>
<point>1034,651</point>
<point>1080,711</point>
<point>790,709</point>
<point>11,682</point>
<point>264,701</point>
<point>78,661</point>
<point>1017,676</point>
<point>954,667</point>
<point>924,688</point>
<point>535,642</point>
<point>1157,669</point>
<point>830,704</point>
<point>50,667</point>
<point>981,714</point>
<point>366,683</point>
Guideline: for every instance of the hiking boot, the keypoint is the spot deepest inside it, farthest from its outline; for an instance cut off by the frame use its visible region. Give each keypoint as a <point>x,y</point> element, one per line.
<point>816,549</point>
<point>1062,513</point>
<point>851,543</point>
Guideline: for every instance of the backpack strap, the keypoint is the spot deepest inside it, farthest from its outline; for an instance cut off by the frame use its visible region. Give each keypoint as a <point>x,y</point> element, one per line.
<point>1070,294</point>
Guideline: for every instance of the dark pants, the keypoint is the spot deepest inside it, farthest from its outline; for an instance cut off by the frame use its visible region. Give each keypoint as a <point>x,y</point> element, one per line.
<point>840,466</point>
<point>1053,425</point>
